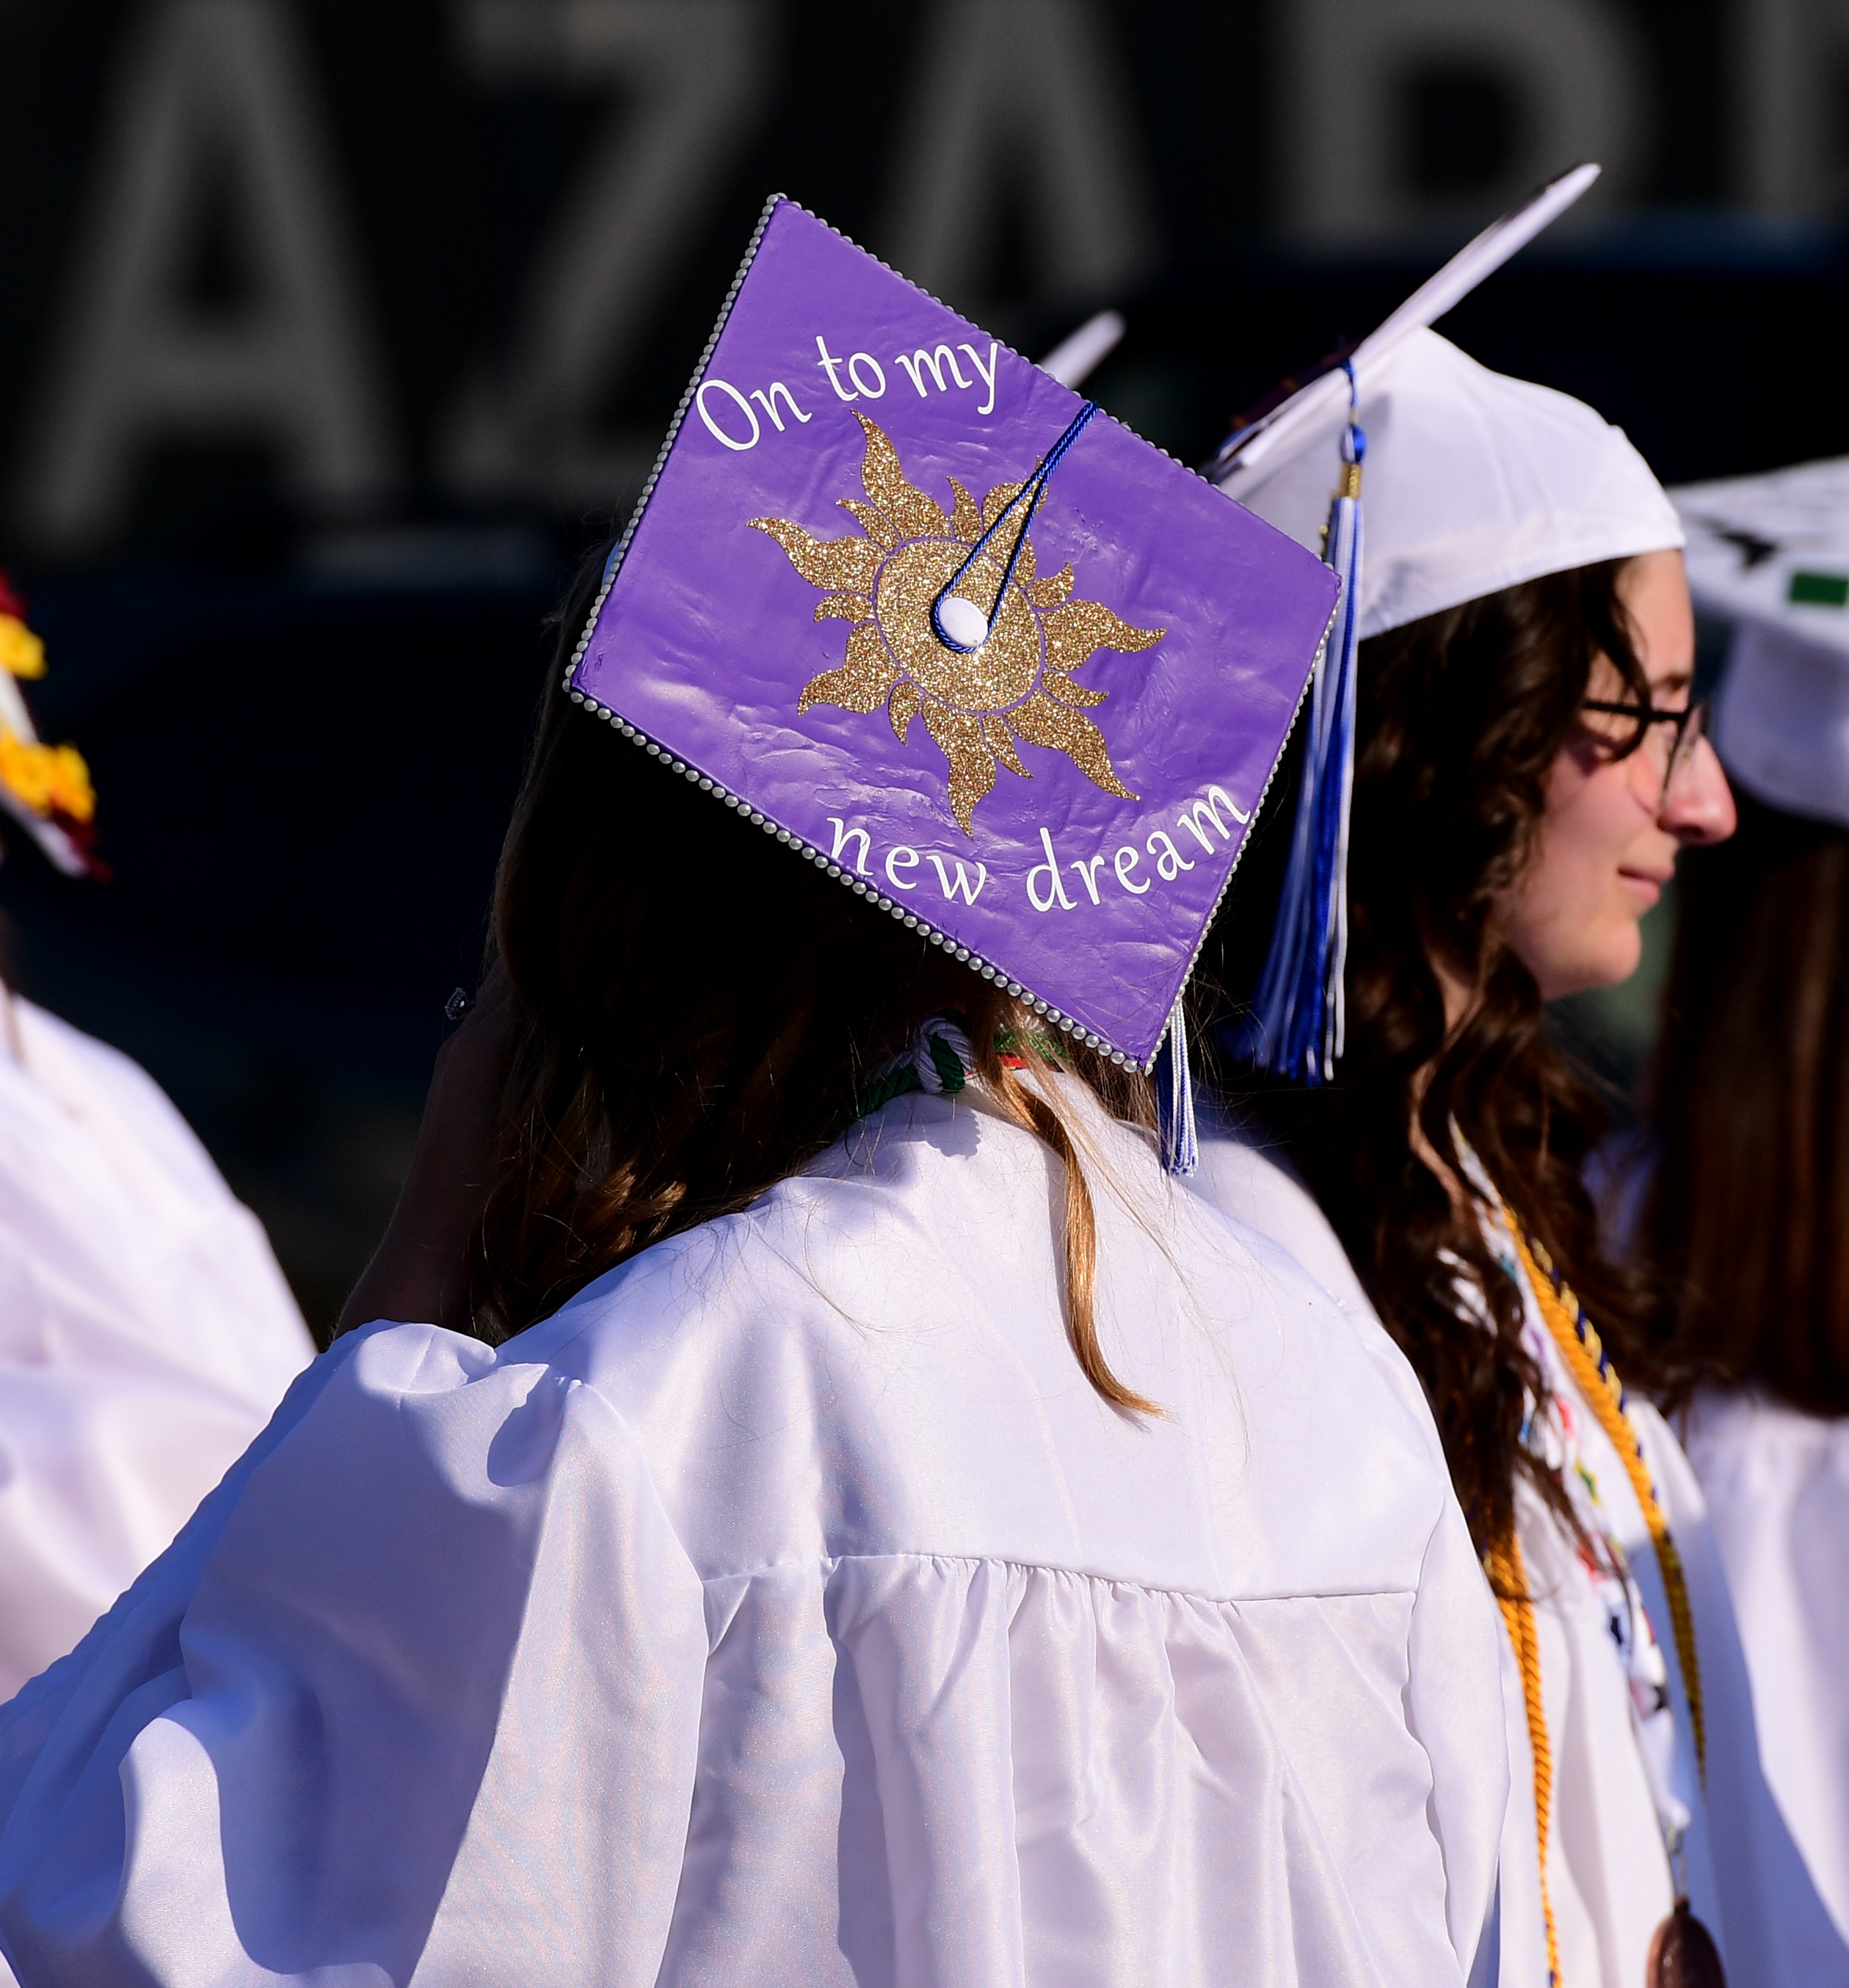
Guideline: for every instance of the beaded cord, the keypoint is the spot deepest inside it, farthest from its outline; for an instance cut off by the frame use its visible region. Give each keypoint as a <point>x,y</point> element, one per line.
<point>1574,1333</point>
<point>1509,1575</point>
<point>942,1047</point>
<point>937,1061</point>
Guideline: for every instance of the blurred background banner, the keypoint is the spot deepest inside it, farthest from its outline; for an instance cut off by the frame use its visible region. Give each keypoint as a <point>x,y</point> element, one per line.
<point>332,333</point>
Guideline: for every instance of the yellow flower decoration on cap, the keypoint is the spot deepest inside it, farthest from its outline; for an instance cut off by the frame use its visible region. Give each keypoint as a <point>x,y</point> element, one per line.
<point>51,780</point>
<point>22,653</point>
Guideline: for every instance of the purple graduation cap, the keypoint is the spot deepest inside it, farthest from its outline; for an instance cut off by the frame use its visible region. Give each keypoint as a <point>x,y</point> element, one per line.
<point>908,604</point>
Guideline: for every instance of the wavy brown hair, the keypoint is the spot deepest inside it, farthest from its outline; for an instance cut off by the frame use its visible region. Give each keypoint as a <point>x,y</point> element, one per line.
<point>1747,1217</point>
<point>1461,718</point>
<point>696,1010</point>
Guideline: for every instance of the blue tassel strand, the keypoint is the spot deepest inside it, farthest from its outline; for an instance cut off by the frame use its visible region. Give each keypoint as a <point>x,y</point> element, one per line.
<point>1174,1102</point>
<point>1294,1025</point>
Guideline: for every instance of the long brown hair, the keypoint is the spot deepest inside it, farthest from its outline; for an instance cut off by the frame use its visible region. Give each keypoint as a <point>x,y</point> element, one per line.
<point>1748,1214</point>
<point>1461,718</point>
<point>695,1011</point>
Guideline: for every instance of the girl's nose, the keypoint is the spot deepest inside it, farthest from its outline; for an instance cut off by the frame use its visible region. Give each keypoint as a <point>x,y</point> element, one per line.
<point>1698,807</point>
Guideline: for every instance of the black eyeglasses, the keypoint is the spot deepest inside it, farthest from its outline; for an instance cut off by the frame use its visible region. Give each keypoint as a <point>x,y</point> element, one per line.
<point>1676,754</point>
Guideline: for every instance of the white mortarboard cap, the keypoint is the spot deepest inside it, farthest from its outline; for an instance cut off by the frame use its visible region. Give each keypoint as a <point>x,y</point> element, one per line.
<point>1473,482</point>
<point>1771,554</point>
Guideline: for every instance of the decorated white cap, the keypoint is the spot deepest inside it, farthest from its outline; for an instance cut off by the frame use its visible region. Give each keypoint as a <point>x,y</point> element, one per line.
<point>1771,554</point>
<point>46,789</point>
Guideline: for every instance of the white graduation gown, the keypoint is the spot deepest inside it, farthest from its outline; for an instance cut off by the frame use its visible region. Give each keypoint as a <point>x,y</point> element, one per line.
<point>1608,1873</point>
<point>1776,1482</point>
<point>146,1333</point>
<point>789,1609</point>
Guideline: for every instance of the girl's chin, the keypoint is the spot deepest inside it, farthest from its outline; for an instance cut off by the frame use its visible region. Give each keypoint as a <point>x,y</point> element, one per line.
<point>1617,961</point>
<point>1611,957</point>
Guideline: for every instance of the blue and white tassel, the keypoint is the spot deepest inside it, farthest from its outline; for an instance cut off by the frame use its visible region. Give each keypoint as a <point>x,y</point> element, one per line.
<point>1175,1101</point>
<point>1295,1027</point>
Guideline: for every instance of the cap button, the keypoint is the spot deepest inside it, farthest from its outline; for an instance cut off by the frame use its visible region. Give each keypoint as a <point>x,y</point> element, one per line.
<point>963,621</point>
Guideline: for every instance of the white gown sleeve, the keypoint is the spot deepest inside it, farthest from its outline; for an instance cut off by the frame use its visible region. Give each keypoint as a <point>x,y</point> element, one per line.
<point>1776,1483</point>
<point>1777,1929</point>
<point>434,1565</point>
<point>146,1333</point>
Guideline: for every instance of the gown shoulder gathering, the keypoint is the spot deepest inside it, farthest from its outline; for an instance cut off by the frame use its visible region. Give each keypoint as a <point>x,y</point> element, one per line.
<point>146,1333</point>
<point>788,1608</point>
<point>1609,1879</point>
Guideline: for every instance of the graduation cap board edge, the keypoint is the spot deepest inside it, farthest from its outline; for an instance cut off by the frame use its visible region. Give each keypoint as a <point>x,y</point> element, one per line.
<point>1330,389</point>
<point>1069,666</point>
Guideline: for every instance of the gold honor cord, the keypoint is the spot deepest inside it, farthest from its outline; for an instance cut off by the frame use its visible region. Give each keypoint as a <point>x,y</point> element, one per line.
<point>1508,1576</point>
<point>1578,1341</point>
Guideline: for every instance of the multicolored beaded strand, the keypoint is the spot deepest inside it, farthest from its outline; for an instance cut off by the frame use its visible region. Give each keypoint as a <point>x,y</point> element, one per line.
<point>1574,1333</point>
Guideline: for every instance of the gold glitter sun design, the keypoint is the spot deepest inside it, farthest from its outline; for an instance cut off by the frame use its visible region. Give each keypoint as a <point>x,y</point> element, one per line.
<point>978,707</point>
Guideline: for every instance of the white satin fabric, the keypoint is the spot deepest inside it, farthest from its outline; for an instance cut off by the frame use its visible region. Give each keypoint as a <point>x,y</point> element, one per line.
<point>1777,1483</point>
<point>789,1609</point>
<point>1608,1873</point>
<point>146,1333</point>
